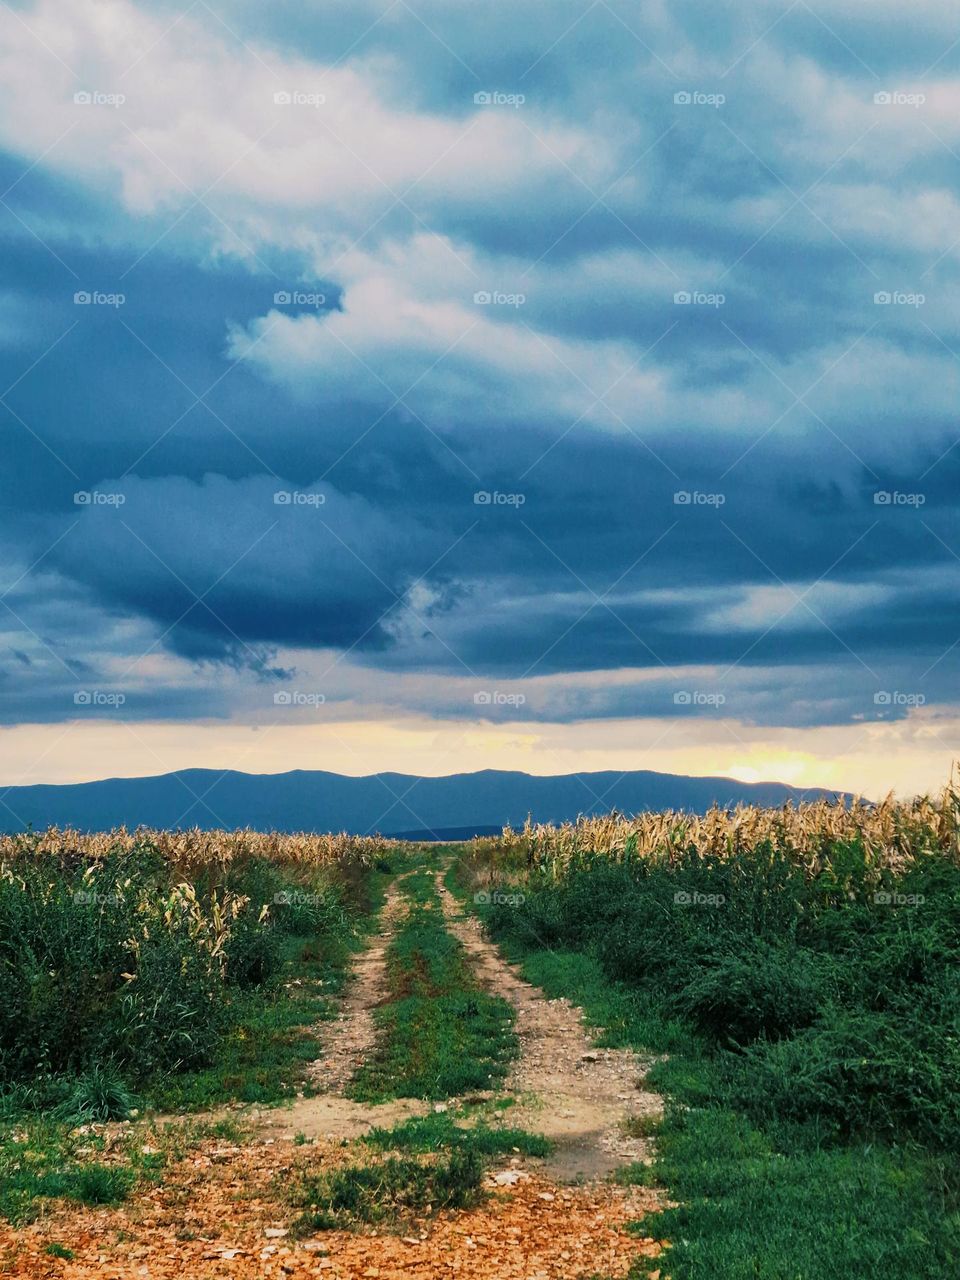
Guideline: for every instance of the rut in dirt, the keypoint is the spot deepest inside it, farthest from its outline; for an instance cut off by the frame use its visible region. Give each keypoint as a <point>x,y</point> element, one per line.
<point>581,1097</point>
<point>347,1043</point>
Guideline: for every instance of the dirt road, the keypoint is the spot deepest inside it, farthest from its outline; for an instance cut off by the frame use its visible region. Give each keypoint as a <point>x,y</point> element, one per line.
<point>220,1210</point>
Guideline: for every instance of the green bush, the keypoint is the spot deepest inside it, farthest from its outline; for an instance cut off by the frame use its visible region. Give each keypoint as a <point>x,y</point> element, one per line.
<point>73,990</point>
<point>764,992</point>
<point>99,1094</point>
<point>108,961</point>
<point>433,1132</point>
<point>859,1074</point>
<point>837,987</point>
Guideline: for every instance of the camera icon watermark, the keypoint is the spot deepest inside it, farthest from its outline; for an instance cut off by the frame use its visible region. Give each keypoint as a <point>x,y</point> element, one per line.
<point>898,298</point>
<point>298,698</point>
<point>298,98</point>
<point>494,98</point>
<point>698,298</point>
<point>98,698</point>
<point>298,498</point>
<point>898,698</point>
<point>494,498</point>
<point>695,498</point>
<point>97,98</point>
<point>496,698</point>
<point>296,898</point>
<point>299,298</point>
<point>96,298</point>
<point>494,898</point>
<point>698,698</point>
<point>884,898</point>
<point>495,298</point>
<point>894,498</point>
<point>897,98</point>
<point>697,98</point>
<point>94,498</point>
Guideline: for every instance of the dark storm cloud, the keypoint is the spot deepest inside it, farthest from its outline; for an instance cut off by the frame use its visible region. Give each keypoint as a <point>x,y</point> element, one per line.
<point>667,477</point>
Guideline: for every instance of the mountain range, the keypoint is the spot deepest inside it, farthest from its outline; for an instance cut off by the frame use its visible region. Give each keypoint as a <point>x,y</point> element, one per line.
<point>453,807</point>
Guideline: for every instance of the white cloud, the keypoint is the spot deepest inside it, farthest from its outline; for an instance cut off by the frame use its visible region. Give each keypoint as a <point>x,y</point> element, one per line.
<point>199,112</point>
<point>409,318</point>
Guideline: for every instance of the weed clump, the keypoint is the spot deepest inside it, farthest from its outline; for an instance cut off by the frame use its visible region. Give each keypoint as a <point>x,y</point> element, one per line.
<point>387,1190</point>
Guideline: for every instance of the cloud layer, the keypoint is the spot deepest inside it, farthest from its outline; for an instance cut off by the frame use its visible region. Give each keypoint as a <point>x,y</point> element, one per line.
<point>592,356</point>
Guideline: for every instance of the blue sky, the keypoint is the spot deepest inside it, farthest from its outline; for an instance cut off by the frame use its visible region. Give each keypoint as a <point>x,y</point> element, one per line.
<point>601,358</point>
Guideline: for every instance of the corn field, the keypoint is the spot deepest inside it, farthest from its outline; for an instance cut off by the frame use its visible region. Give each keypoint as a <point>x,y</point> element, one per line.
<point>133,947</point>
<point>197,848</point>
<point>890,833</point>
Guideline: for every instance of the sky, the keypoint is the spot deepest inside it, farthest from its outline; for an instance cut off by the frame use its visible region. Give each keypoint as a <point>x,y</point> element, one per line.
<point>431,387</point>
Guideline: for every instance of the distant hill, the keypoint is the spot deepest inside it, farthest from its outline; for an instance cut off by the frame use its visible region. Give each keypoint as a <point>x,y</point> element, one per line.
<point>449,835</point>
<point>454,807</point>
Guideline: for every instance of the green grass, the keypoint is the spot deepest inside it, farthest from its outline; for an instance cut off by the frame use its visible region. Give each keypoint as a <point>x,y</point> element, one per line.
<point>754,1207</point>
<point>40,1161</point>
<point>439,1034</point>
<point>761,1194</point>
<point>98,1094</point>
<point>425,1164</point>
<point>386,1190</point>
<point>44,1158</point>
<point>262,1057</point>
<point>762,1202</point>
<point>436,1132</point>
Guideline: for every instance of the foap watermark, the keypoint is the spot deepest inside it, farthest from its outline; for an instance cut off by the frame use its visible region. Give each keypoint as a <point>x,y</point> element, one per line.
<point>495,898</point>
<point>97,298</point>
<point>698,98</point>
<point>494,498</point>
<point>94,898</point>
<point>698,298</point>
<point>298,98</point>
<point>898,98</point>
<point>298,498</point>
<point>296,898</point>
<point>298,698</point>
<point>883,898</point>
<point>894,498</point>
<point>98,698</point>
<point>898,298</point>
<point>496,698</point>
<point>97,498</point>
<point>898,698</point>
<point>496,98</point>
<point>698,698</point>
<point>498,298</point>
<point>495,298</point>
<point>97,98</point>
<point>299,298</point>
<point>694,498</point>
<point>694,899</point>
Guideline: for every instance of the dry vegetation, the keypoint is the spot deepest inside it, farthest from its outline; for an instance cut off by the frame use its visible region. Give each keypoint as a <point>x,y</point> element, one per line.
<point>890,833</point>
<point>196,847</point>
